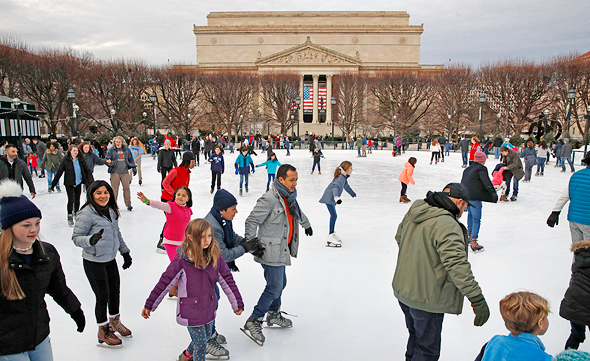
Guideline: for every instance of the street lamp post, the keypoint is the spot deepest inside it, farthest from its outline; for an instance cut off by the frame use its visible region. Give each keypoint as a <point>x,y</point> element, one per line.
<point>482,99</point>
<point>571,95</point>
<point>292,128</point>
<point>333,102</point>
<point>545,121</point>
<point>19,135</point>
<point>345,144</point>
<point>298,103</point>
<point>71,95</point>
<point>144,122</point>
<point>241,127</point>
<point>113,117</point>
<point>76,109</point>
<point>449,129</point>
<point>394,121</point>
<point>498,123</point>
<point>154,100</point>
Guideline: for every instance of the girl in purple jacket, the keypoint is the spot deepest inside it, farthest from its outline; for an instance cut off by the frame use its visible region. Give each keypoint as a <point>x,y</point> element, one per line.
<point>198,268</point>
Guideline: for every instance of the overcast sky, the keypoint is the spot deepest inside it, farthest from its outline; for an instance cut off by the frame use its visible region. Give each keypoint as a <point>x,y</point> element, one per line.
<point>465,31</point>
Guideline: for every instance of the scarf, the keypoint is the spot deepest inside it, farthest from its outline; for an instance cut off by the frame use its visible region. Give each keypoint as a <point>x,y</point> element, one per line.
<point>291,199</point>
<point>441,200</point>
<point>228,236</point>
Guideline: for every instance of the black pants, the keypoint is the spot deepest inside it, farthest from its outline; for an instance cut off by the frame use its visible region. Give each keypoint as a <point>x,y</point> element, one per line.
<point>197,153</point>
<point>215,174</point>
<point>74,197</point>
<point>404,189</point>
<point>105,283</point>
<point>434,156</point>
<point>164,171</point>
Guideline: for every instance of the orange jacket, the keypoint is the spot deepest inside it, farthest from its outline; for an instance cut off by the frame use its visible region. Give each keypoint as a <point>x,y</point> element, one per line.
<point>406,175</point>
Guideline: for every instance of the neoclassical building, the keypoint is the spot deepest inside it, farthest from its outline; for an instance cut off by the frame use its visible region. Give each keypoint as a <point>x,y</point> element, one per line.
<point>315,45</point>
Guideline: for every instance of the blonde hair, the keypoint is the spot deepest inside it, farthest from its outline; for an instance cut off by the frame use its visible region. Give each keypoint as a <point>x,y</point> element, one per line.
<point>343,166</point>
<point>522,311</point>
<point>11,289</point>
<point>193,246</point>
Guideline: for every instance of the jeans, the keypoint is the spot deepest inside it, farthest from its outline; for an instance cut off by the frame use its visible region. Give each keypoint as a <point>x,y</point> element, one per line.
<point>43,170</point>
<point>270,176</point>
<point>508,177</point>
<point>106,284</point>
<point>541,164</point>
<point>270,300</point>
<point>425,330</point>
<point>42,352</point>
<point>242,176</point>
<point>497,152</point>
<point>333,216</point>
<point>288,151</point>
<point>199,337</point>
<point>569,160</point>
<point>474,219</point>
<point>465,156</point>
<point>318,164</point>
<point>50,176</point>
<point>557,161</point>
<point>358,149</point>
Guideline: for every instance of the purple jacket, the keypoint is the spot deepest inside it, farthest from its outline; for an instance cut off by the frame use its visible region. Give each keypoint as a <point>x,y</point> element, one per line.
<point>196,290</point>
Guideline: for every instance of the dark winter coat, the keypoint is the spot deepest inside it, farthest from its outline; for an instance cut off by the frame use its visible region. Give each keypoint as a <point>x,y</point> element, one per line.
<point>442,140</point>
<point>477,181</point>
<point>513,164</point>
<point>113,156</point>
<point>530,156</point>
<point>25,323</point>
<point>51,160</point>
<point>67,165</point>
<point>465,145</point>
<point>317,156</point>
<point>196,146</point>
<point>40,149</point>
<point>19,169</point>
<point>217,162</point>
<point>498,142</point>
<point>557,149</point>
<point>166,159</point>
<point>575,305</point>
<point>566,150</point>
<point>93,160</point>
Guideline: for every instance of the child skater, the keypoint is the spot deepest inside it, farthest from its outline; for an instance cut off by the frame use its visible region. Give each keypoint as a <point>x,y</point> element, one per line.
<point>317,155</point>
<point>197,269</point>
<point>217,167</point>
<point>332,195</point>
<point>575,306</point>
<point>525,316</point>
<point>271,168</point>
<point>33,164</point>
<point>406,177</point>
<point>498,179</point>
<point>243,164</point>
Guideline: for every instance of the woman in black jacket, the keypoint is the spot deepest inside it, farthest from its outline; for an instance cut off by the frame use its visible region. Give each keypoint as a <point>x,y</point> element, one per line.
<point>77,173</point>
<point>29,269</point>
<point>166,160</point>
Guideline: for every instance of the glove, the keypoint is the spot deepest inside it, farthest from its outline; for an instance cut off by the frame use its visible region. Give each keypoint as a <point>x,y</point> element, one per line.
<point>259,251</point>
<point>309,231</point>
<point>553,219</point>
<point>338,200</point>
<point>237,171</point>
<point>251,245</point>
<point>481,310</point>
<point>96,237</point>
<point>78,317</point>
<point>253,170</point>
<point>126,260</point>
<point>134,171</point>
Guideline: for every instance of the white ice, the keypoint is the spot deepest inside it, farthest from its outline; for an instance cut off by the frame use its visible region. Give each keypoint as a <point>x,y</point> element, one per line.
<point>342,297</point>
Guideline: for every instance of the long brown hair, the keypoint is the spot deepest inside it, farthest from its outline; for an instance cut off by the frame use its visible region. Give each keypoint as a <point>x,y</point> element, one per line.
<point>193,246</point>
<point>10,287</point>
<point>343,166</point>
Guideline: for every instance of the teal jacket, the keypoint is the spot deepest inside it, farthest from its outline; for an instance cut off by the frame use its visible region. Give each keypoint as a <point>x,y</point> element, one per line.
<point>524,347</point>
<point>272,166</point>
<point>579,191</point>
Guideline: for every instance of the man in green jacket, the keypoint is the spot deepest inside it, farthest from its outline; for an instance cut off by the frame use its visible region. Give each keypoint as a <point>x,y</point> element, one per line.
<point>432,274</point>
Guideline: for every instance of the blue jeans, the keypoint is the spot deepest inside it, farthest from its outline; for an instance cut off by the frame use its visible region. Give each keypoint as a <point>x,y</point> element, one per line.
<point>497,152</point>
<point>358,149</point>
<point>425,330</point>
<point>50,176</point>
<point>318,164</point>
<point>288,150</point>
<point>541,164</point>
<point>465,157</point>
<point>447,148</point>
<point>199,337</point>
<point>41,353</point>
<point>270,176</point>
<point>569,160</point>
<point>270,300</point>
<point>514,189</point>
<point>333,216</point>
<point>242,176</point>
<point>474,218</point>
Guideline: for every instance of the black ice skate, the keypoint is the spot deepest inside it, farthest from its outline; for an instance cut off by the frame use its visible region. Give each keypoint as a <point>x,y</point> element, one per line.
<point>276,318</point>
<point>253,329</point>
<point>215,351</point>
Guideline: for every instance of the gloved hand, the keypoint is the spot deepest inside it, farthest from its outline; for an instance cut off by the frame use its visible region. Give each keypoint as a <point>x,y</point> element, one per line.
<point>553,219</point>
<point>96,237</point>
<point>126,260</point>
<point>134,171</point>
<point>253,170</point>
<point>259,251</point>
<point>78,317</point>
<point>338,200</point>
<point>251,245</point>
<point>237,171</point>
<point>309,231</point>
<point>481,310</point>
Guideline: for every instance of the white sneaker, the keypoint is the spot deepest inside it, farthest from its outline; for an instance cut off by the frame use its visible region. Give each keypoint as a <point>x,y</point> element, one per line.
<point>333,241</point>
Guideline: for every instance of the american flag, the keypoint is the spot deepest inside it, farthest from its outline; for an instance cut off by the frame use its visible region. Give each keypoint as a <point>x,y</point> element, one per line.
<point>322,92</point>
<point>307,98</point>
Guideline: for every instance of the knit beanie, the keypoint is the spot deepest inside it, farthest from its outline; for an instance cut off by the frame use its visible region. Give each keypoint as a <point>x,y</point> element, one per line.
<point>167,142</point>
<point>223,200</point>
<point>572,355</point>
<point>14,206</point>
<point>188,156</point>
<point>480,157</point>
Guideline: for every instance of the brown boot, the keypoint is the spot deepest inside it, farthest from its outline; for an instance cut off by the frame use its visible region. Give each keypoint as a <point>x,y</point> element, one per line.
<point>173,292</point>
<point>406,199</point>
<point>401,199</point>
<point>107,337</point>
<point>476,247</point>
<point>504,199</point>
<point>117,326</point>
<point>320,173</point>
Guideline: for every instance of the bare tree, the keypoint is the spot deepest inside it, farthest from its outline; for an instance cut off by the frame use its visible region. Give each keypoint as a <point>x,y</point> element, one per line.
<point>11,50</point>
<point>279,91</point>
<point>350,92</point>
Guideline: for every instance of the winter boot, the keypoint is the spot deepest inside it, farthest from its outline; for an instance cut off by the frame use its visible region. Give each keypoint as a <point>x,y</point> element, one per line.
<point>573,342</point>
<point>475,247</point>
<point>70,220</point>
<point>184,357</point>
<point>117,326</point>
<point>537,174</point>
<point>513,198</point>
<point>406,200</point>
<point>253,329</point>
<point>401,199</point>
<point>312,172</point>
<point>58,188</point>
<point>107,337</point>
<point>503,198</point>
<point>240,192</point>
<point>276,318</point>
<point>219,338</point>
<point>319,172</point>
<point>332,242</point>
<point>49,189</point>
<point>216,350</point>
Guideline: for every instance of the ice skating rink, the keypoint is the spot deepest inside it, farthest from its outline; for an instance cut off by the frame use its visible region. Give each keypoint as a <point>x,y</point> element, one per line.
<point>342,297</point>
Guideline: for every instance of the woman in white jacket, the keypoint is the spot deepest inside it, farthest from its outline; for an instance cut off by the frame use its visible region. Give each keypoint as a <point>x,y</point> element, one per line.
<point>435,150</point>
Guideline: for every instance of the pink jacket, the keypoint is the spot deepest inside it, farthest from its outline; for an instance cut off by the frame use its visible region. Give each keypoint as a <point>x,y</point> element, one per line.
<point>497,177</point>
<point>177,218</point>
<point>406,176</point>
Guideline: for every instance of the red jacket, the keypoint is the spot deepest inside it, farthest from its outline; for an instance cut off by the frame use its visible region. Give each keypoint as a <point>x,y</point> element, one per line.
<point>473,150</point>
<point>177,177</point>
<point>172,142</point>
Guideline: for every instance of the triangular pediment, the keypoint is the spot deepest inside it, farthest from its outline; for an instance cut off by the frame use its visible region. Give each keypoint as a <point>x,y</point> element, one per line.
<point>308,53</point>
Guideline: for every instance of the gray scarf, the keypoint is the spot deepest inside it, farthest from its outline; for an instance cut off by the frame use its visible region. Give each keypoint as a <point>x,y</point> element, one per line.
<point>291,199</point>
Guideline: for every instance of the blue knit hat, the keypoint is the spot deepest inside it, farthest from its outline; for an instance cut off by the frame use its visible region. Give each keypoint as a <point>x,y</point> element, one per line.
<point>572,355</point>
<point>223,200</point>
<point>14,206</point>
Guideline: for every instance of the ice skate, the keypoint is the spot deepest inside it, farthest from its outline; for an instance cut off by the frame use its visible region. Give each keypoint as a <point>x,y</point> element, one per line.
<point>219,338</point>
<point>312,172</point>
<point>406,200</point>
<point>49,189</point>
<point>276,318</point>
<point>503,198</point>
<point>246,188</point>
<point>475,247</point>
<point>513,198</point>
<point>537,174</point>
<point>319,172</point>
<point>58,188</point>
<point>267,189</point>
<point>240,192</point>
<point>430,162</point>
<point>107,337</point>
<point>70,220</point>
<point>173,293</point>
<point>117,326</point>
<point>333,241</point>
<point>215,351</point>
<point>401,199</point>
<point>253,329</point>
<point>160,247</point>
<point>211,190</point>
<point>541,174</point>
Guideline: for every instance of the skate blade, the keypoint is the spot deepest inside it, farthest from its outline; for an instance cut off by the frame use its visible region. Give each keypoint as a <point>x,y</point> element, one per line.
<point>162,251</point>
<point>129,336</point>
<point>106,345</point>
<point>276,326</point>
<point>172,298</point>
<point>212,357</point>
<point>333,245</point>
<point>478,251</point>
<point>252,338</point>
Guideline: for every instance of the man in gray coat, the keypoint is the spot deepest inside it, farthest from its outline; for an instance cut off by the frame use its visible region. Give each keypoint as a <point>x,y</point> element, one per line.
<point>465,145</point>
<point>274,218</point>
<point>40,149</point>
<point>566,155</point>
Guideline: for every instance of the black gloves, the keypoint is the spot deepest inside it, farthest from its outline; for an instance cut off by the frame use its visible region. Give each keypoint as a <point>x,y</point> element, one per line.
<point>553,219</point>
<point>481,310</point>
<point>338,200</point>
<point>78,317</point>
<point>309,231</point>
<point>96,237</point>
<point>251,245</point>
<point>126,260</point>
<point>259,251</point>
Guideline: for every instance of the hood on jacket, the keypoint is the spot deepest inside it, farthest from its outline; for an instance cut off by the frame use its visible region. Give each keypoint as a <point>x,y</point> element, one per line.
<point>441,200</point>
<point>580,245</point>
<point>434,205</point>
<point>581,254</point>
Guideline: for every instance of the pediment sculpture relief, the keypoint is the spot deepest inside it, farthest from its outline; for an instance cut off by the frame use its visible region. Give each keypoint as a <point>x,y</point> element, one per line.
<point>309,56</point>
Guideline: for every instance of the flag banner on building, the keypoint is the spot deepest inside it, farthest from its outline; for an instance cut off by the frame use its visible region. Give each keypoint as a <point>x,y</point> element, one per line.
<point>322,99</point>
<point>307,98</point>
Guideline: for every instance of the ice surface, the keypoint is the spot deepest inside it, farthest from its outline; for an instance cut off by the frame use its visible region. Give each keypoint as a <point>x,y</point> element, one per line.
<point>342,297</point>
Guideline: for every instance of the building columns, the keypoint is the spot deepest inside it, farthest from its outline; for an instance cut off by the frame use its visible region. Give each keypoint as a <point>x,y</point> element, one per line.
<point>315,98</point>
<point>300,110</point>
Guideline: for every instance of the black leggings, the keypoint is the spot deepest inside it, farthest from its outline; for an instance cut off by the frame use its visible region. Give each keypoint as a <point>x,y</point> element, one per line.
<point>404,189</point>
<point>105,283</point>
<point>434,156</point>
<point>74,197</point>
<point>215,174</point>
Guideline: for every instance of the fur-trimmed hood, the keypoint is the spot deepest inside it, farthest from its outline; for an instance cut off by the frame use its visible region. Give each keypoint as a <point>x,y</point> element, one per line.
<point>580,245</point>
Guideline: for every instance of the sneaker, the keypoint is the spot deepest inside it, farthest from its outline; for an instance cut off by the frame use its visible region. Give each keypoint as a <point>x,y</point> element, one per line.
<point>253,329</point>
<point>117,326</point>
<point>276,318</point>
<point>107,337</point>
<point>215,349</point>
<point>513,198</point>
<point>332,242</point>
<point>129,207</point>
<point>184,357</point>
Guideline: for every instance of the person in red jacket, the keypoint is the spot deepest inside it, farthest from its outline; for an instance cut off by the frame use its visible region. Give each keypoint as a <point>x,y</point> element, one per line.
<point>474,148</point>
<point>171,139</point>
